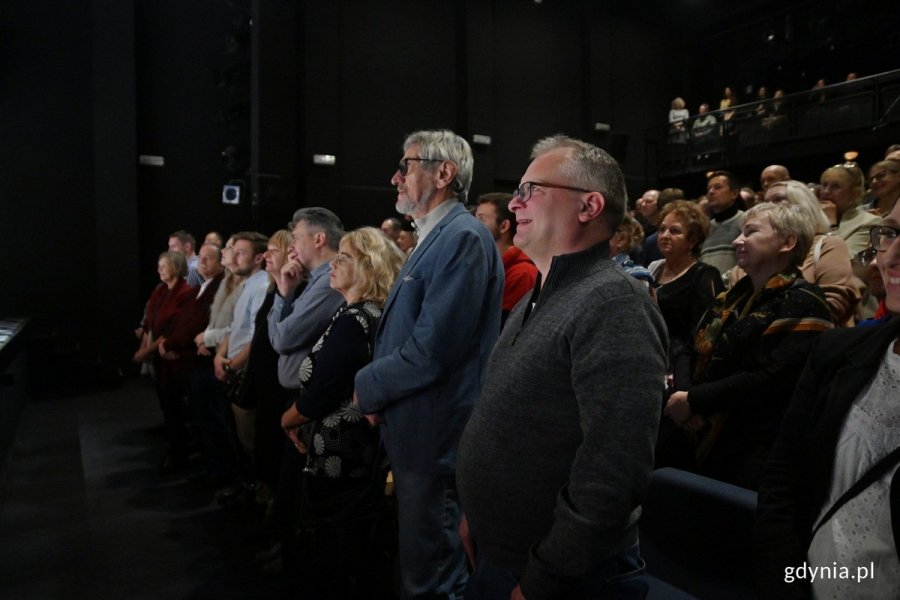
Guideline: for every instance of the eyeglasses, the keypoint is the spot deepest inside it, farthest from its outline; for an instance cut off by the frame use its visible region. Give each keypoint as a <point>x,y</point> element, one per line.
<point>864,257</point>
<point>340,259</point>
<point>403,167</point>
<point>882,236</point>
<point>524,191</point>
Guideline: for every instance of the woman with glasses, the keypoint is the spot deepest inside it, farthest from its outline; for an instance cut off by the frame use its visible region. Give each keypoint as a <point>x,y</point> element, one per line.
<point>884,182</point>
<point>342,481</point>
<point>841,195</point>
<point>750,347</point>
<point>829,495</point>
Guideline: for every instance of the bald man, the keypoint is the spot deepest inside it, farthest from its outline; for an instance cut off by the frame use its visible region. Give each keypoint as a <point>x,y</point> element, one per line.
<point>773,174</point>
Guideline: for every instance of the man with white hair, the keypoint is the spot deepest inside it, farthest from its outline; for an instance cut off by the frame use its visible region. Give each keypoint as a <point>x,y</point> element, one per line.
<point>440,322</point>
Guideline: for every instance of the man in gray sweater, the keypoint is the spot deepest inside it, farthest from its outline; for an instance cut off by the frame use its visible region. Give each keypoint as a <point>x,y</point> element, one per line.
<point>556,458</point>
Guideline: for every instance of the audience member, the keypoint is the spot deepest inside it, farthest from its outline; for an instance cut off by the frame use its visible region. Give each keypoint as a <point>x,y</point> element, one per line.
<point>843,188</point>
<point>750,346</point>
<point>556,458</point>
<point>884,181</point>
<point>827,264</point>
<point>520,273</point>
<point>210,269</point>
<point>233,353</point>
<point>183,242</point>
<point>627,237</point>
<point>718,249</point>
<point>343,480</point>
<point>440,323</point>
<point>214,237</point>
<point>773,174</point>
<point>678,117</point>
<point>407,241</point>
<point>650,250</point>
<point>829,494</point>
<point>892,153</point>
<point>392,226</point>
<point>170,299</point>
<point>763,104</point>
<point>297,319</point>
<point>267,395</point>
<point>687,287</point>
<point>703,130</point>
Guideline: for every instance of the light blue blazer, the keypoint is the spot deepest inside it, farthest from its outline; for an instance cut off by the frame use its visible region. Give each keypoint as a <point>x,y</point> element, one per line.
<point>440,322</point>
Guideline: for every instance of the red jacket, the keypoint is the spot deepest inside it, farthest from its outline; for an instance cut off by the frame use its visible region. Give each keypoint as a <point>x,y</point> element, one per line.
<point>520,277</point>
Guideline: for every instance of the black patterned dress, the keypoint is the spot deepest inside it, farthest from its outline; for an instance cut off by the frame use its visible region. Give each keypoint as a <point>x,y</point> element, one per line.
<point>342,444</point>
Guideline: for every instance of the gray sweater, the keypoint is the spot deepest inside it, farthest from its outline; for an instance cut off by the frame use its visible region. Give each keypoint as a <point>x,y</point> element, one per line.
<point>555,460</point>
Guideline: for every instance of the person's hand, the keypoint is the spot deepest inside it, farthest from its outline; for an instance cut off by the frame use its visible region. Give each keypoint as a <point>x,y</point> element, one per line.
<point>290,276</point>
<point>466,537</point>
<point>140,355</point>
<point>204,351</point>
<point>139,332</point>
<point>219,363</point>
<point>374,419</point>
<point>290,423</point>
<point>517,594</point>
<point>678,409</point>
<point>830,210</point>
<point>695,423</point>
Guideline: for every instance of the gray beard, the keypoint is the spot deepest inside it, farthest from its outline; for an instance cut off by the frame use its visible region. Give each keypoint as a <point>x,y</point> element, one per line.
<point>413,208</point>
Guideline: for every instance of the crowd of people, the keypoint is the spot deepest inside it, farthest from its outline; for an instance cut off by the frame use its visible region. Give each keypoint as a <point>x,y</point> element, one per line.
<point>764,110</point>
<point>513,372</point>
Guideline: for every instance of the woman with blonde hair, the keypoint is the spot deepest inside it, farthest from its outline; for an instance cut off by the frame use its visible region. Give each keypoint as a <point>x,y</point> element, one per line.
<point>342,481</point>
<point>842,192</point>
<point>678,117</point>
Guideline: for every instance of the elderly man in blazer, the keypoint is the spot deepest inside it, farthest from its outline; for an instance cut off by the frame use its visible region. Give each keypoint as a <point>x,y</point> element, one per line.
<point>439,325</point>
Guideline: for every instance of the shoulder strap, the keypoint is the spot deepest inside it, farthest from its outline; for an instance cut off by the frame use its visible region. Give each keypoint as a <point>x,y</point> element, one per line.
<point>873,474</point>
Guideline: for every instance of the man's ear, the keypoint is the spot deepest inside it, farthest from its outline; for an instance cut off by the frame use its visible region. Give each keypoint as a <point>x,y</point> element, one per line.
<point>504,226</point>
<point>591,207</point>
<point>445,174</point>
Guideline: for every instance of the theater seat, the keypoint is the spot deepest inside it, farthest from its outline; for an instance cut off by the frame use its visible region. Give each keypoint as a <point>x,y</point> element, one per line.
<point>696,537</point>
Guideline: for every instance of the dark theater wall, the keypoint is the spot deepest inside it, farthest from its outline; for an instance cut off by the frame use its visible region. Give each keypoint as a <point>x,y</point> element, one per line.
<point>89,85</point>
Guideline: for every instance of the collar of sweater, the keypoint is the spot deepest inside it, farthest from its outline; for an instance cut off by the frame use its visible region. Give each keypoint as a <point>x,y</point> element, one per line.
<point>726,214</point>
<point>573,267</point>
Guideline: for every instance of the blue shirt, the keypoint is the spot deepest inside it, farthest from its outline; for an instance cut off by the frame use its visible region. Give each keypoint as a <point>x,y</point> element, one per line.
<point>245,309</point>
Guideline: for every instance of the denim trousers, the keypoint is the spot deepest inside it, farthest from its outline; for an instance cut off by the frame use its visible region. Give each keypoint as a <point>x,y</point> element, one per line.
<point>432,562</point>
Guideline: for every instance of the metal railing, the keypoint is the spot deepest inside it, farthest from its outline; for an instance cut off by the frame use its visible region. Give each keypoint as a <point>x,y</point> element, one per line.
<point>721,137</point>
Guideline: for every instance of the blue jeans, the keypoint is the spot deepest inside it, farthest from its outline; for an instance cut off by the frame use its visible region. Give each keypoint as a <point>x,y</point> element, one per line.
<point>432,562</point>
<point>618,578</point>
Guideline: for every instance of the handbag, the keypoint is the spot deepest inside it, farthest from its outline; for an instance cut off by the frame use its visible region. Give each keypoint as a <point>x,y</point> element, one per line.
<point>236,389</point>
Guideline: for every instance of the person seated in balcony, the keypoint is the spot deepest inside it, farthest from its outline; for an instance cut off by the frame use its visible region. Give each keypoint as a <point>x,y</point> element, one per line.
<point>763,105</point>
<point>703,128</point>
<point>777,111</point>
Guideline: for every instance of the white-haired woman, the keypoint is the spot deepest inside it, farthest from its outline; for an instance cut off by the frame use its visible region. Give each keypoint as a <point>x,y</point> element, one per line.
<point>750,347</point>
<point>827,264</point>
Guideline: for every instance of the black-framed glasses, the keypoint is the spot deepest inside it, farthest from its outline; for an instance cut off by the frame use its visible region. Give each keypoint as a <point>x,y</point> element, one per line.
<point>526,188</point>
<point>864,257</point>
<point>403,167</point>
<point>882,236</point>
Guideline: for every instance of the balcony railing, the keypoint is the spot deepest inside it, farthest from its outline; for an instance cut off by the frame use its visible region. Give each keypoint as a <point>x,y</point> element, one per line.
<point>868,103</point>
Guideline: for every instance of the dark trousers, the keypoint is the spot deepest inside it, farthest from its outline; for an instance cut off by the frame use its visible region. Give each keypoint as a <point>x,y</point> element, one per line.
<point>618,578</point>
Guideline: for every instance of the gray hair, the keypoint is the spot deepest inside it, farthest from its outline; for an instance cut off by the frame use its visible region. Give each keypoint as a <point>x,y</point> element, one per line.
<point>798,193</point>
<point>446,145</point>
<point>787,218</point>
<point>324,220</point>
<point>591,168</point>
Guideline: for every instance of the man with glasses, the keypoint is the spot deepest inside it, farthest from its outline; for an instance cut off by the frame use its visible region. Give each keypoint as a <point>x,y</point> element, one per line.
<point>440,322</point>
<point>834,463</point>
<point>557,456</point>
